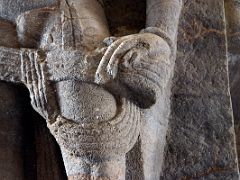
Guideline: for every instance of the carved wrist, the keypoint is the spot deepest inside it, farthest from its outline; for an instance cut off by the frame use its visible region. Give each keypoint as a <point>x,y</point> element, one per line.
<point>164,35</point>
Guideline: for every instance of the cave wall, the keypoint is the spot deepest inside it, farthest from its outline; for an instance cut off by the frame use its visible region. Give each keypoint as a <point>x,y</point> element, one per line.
<point>201,139</point>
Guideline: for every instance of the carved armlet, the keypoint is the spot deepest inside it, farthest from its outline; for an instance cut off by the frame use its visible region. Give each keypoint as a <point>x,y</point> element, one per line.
<point>27,66</point>
<point>34,75</point>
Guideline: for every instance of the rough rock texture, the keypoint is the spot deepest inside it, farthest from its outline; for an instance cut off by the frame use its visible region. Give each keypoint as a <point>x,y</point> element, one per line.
<point>201,139</point>
<point>10,9</point>
<point>27,150</point>
<point>11,128</point>
<point>130,74</point>
<point>232,8</point>
<point>201,142</point>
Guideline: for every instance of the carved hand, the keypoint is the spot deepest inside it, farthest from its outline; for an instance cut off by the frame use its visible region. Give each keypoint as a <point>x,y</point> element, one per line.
<point>128,50</point>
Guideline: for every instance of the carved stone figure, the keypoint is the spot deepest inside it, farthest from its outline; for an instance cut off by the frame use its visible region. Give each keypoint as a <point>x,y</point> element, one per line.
<point>99,94</point>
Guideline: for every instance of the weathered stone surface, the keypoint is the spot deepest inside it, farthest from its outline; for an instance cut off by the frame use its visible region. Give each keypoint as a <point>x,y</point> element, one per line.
<point>130,74</point>
<point>232,8</point>
<point>27,150</point>
<point>11,128</point>
<point>67,81</point>
<point>201,139</point>
<point>9,10</point>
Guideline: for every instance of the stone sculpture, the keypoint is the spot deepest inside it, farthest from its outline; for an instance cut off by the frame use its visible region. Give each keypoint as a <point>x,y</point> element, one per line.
<point>99,94</point>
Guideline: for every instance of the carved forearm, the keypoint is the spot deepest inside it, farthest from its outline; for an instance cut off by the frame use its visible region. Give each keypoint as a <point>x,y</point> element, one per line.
<point>149,76</point>
<point>27,66</point>
<point>17,65</point>
<point>163,18</point>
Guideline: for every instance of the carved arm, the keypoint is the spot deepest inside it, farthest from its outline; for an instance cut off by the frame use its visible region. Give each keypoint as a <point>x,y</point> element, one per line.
<point>143,61</point>
<point>162,19</point>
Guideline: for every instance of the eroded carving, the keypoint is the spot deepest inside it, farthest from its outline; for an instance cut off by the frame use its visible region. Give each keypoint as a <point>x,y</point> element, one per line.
<point>98,93</point>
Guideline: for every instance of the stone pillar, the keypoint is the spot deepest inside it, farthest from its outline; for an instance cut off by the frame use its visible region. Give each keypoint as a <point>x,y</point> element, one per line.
<point>232,8</point>
<point>201,138</point>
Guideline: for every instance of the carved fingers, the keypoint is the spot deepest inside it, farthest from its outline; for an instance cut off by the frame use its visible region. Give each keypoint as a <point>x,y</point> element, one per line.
<point>102,75</point>
<point>114,55</point>
<point>128,50</point>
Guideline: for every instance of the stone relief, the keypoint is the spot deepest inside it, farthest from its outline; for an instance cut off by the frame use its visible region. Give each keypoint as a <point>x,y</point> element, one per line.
<point>99,94</point>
